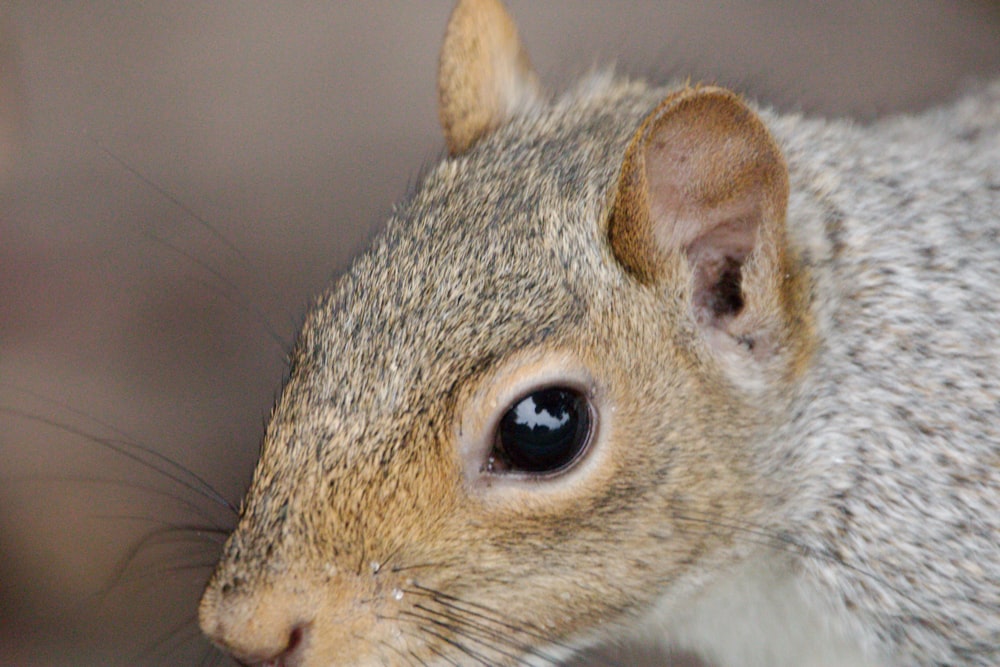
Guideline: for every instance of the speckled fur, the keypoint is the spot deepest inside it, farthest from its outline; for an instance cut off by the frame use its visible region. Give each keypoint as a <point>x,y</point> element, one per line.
<point>866,482</point>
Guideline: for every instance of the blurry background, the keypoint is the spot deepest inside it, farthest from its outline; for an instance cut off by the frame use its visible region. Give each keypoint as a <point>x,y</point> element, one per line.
<point>176,180</point>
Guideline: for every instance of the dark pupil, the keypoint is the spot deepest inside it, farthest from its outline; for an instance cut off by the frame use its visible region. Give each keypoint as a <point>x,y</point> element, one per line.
<point>545,430</point>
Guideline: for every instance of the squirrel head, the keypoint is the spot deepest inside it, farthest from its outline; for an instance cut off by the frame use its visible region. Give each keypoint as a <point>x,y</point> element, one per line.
<point>507,427</point>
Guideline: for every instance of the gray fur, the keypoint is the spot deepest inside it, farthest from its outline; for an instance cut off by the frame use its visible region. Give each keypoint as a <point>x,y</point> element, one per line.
<point>899,423</point>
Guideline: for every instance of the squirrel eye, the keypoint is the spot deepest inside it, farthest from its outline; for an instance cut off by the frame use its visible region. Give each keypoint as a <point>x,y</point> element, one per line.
<point>543,431</point>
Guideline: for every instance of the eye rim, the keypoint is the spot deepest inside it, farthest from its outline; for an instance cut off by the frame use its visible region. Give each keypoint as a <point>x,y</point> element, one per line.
<point>490,393</point>
<point>588,398</point>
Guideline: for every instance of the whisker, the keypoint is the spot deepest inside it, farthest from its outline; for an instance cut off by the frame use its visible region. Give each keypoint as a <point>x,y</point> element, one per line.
<point>209,656</point>
<point>154,537</point>
<point>386,560</point>
<point>213,534</point>
<point>184,569</point>
<point>420,566</point>
<point>253,269</point>
<point>485,631</point>
<point>167,467</point>
<point>232,294</point>
<point>490,625</point>
<point>408,657</point>
<point>484,613</point>
<point>475,655</point>
<point>459,627</point>
<point>417,658</point>
<point>62,405</point>
<point>150,491</point>
<point>433,649</point>
<point>169,641</point>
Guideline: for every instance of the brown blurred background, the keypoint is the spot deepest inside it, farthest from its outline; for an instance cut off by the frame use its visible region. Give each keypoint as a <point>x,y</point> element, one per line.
<point>289,129</point>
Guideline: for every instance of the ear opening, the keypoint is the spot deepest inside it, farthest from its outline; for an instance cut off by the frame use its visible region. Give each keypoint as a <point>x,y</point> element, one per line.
<point>716,261</point>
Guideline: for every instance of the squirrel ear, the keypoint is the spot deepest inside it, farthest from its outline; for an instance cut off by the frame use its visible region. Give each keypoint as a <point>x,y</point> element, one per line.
<point>483,74</point>
<point>703,180</point>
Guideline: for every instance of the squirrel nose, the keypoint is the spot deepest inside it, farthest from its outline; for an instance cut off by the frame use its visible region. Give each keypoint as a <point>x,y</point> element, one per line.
<point>255,631</point>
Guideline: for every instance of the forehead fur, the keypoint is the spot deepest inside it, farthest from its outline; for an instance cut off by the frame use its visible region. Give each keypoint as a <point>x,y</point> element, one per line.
<point>483,259</point>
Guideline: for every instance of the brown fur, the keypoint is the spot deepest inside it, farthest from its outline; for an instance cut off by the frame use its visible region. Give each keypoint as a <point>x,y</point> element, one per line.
<point>352,506</point>
<point>483,72</point>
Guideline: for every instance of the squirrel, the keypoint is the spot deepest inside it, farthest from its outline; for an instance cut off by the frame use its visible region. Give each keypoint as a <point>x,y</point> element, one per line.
<point>641,361</point>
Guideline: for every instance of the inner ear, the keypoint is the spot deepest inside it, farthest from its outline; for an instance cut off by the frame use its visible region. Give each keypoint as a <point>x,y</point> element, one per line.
<point>716,260</point>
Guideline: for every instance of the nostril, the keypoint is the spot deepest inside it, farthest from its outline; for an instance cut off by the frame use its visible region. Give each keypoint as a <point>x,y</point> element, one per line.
<point>294,639</point>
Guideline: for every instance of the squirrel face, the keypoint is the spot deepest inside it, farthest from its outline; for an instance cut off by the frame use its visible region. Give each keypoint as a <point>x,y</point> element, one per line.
<point>505,429</point>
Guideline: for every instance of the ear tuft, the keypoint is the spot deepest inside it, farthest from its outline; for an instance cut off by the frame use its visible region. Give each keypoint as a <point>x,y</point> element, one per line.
<point>704,186</point>
<point>484,75</point>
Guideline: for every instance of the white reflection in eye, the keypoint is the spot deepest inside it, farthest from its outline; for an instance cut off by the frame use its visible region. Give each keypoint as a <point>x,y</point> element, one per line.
<point>528,414</point>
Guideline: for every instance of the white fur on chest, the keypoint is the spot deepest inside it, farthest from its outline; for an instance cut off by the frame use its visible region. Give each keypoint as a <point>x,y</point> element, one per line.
<point>759,615</point>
